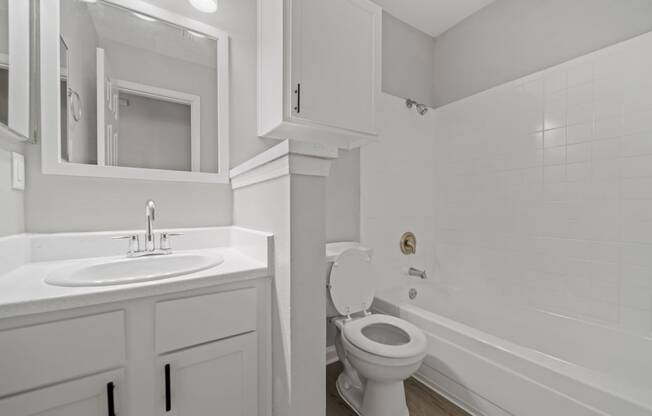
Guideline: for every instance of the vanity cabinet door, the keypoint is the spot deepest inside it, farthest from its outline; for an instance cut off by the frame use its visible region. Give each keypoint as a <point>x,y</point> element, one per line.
<point>96,395</point>
<point>336,60</point>
<point>219,378</point>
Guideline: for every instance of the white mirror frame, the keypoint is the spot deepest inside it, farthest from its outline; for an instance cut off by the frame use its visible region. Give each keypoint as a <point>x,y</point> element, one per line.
<point>51,162</point>
<point>18,62</point>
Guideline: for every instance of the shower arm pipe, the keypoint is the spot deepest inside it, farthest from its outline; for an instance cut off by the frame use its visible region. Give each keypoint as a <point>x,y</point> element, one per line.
<point>421,108</point>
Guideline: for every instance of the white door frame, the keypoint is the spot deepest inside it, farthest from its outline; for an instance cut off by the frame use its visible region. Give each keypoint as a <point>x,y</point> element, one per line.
<point>163,94</point>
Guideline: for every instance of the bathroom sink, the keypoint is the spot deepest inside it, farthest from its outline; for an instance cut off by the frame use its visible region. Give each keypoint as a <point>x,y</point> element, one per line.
<point>125,270</point>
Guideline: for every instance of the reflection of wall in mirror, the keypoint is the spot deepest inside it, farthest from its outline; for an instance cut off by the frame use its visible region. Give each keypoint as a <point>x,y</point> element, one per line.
<point>4,61</point>
<point>155,134</point>
<point>4,95</point>
<point>4,27</point>
<point>63,99</point>
<point>81,37</point>
<point>149,68</point>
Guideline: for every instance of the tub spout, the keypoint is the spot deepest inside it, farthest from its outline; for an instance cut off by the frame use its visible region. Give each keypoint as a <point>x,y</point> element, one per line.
<point>418,273</point>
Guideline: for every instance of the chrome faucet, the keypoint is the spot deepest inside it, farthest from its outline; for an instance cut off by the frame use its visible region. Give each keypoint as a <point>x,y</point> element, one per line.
<point>418,273</point>
<point>150,217</point>
<point>150,242</point>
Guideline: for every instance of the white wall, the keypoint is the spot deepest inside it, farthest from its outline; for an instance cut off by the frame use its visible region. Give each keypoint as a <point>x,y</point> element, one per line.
<point>396,187</point>
<point>544,189</point>
<point>12,202</point>
<point>60,203</point>
<point>343,198</point>
<point>408,61</point>
<point>512,38</point>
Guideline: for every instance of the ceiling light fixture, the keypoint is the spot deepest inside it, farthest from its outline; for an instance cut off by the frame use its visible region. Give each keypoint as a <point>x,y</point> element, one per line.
<point>144,17</point>
<point>206,6</point>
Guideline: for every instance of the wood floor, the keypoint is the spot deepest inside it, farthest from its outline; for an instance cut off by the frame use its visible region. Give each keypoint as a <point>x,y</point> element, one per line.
<point>421,400</point>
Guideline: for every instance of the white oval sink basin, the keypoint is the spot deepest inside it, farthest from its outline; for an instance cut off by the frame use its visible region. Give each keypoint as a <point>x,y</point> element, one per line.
<point>124,271</point>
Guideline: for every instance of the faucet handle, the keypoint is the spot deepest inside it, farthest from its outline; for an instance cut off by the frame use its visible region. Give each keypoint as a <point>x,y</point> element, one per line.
<point>134,242</point>
<point>165,240</point>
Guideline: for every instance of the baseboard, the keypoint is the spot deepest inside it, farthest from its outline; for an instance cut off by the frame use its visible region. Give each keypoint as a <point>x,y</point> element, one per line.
<point>451,391</point>
<point>331,355</point>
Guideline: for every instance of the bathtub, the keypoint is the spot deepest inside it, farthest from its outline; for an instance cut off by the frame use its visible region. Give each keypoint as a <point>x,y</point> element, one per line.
<point>494,360</point>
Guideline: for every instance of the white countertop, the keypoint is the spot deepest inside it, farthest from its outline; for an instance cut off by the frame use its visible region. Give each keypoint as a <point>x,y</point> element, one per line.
<point>23,290</point>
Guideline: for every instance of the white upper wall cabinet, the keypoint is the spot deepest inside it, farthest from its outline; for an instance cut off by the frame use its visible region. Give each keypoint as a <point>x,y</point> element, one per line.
<point>319,70</point>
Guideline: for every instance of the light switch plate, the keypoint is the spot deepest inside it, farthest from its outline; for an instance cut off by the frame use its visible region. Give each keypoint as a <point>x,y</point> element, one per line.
<point>17,171</point>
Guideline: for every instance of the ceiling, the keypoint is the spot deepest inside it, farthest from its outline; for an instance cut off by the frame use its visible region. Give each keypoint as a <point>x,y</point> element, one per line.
<point>432,16</point>
<point>120,25</point>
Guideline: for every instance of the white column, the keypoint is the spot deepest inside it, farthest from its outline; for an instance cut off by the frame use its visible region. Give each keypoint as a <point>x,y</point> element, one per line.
<point>282,191</point>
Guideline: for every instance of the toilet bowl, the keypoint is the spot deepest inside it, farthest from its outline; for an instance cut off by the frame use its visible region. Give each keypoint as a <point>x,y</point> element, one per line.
<point>378,352</point>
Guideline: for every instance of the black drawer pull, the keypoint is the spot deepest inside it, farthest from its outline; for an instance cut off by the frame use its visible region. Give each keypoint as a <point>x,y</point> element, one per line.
<point>168,393</point>
<point>109,398</point>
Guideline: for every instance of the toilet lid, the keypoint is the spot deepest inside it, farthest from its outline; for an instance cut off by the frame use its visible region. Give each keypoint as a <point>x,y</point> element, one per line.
<point>352,286</point>
<point>386,336</point>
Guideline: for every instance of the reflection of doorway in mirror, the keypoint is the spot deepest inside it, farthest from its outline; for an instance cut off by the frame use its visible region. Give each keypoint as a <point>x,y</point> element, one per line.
<point>156,122</point>
<point>66,144</point>
<point>158,128</point>
<point>106,110</point>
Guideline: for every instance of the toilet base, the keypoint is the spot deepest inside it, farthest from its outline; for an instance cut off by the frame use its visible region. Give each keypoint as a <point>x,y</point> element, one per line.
<point>375,399</point>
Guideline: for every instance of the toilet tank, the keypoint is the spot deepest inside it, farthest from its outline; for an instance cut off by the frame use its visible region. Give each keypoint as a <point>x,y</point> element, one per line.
<point>333,250</point>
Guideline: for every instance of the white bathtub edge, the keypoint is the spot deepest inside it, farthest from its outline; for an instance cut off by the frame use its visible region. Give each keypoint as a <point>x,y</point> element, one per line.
<point>519,384</point>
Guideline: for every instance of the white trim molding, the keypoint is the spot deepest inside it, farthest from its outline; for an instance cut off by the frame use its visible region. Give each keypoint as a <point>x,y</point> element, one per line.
<point>51,162</point>
<point>331,355</point>
<point>19,72</point>
<point>286,158</point>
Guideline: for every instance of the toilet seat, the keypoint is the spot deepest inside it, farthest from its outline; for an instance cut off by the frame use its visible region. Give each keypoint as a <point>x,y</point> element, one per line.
<point>352,284</point>
<point>416,343</point>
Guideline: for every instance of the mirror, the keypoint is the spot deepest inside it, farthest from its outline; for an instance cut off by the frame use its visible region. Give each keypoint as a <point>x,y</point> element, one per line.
<point>140,92</point>
<point>14,65</point>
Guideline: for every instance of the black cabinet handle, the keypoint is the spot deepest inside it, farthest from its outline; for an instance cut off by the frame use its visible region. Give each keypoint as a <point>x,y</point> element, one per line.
<point>297,108</point>
<point>168,395</point>
<point>109,398</point>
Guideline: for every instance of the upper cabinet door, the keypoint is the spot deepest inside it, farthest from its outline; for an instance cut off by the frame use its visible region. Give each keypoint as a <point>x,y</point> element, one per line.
<point>336,56</point>
<point>319,67</point>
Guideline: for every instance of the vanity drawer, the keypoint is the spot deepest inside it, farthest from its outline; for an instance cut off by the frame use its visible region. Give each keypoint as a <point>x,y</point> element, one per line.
<point>182,323</point>
<point>42,354</point>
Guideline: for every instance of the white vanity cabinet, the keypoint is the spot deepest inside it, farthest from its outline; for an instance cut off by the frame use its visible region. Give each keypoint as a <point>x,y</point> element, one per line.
<point>202,352</point>
<point>201,377</point>
<point>319,70</point>
<point>88,396</point>
<point>213,379</point>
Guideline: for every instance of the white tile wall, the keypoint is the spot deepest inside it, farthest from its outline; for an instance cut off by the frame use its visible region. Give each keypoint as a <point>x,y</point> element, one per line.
<point>396,190</point>
<point>543,188</point>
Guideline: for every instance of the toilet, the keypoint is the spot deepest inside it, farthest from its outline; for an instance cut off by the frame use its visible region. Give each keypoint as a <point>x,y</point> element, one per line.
<point>378,352</point>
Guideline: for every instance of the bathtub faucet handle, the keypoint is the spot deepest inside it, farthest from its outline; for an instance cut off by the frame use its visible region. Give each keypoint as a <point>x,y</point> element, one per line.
<point>418,273</point>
